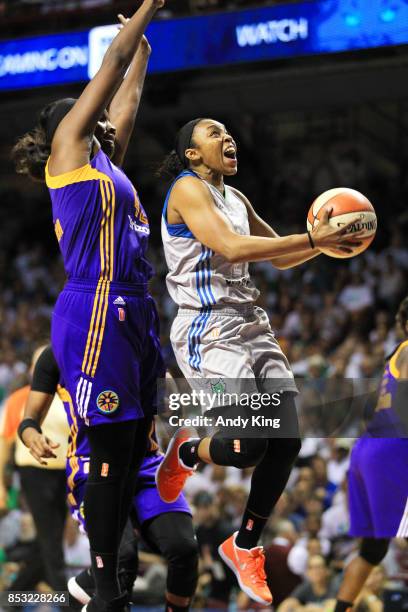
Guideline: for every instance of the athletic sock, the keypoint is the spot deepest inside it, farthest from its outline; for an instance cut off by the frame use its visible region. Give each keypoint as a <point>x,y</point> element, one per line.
<point>250,530</point>
<point>343,606</point>
<point>267,484</point>
<point>104,566</point>
<point>173,608</point>
<point>188,452</point>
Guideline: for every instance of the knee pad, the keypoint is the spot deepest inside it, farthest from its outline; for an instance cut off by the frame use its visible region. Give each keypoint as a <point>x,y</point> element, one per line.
<point>111,451</point>
<point>182,558</point>
<point>183,551</point>
<point>240,453</point>
<point>373,550</point>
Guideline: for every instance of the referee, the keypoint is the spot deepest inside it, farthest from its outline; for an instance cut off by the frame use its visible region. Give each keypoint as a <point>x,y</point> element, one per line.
<point>43,486</point>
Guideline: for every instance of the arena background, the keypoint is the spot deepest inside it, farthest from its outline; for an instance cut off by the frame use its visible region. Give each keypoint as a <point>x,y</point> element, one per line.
<point>303,124</point>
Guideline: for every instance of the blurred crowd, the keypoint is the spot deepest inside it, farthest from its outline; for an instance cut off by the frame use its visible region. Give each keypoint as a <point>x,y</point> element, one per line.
<point>305,541</point>
<point>333,318</point>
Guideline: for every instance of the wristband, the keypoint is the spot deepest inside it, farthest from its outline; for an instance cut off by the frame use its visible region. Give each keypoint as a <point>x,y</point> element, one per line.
<point>312,244</point>
<point>25,424</point>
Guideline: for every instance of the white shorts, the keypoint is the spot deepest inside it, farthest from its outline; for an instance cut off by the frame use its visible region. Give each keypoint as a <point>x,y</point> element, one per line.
<point>230,344</point>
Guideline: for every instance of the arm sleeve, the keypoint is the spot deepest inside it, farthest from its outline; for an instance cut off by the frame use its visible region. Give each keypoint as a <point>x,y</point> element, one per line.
<point>46,373</point>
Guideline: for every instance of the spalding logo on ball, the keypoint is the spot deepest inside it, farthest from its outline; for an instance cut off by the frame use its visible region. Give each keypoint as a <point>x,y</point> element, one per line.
<point>347,204</point>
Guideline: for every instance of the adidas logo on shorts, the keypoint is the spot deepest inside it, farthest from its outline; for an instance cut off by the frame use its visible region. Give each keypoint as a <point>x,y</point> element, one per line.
<point>120,300</point>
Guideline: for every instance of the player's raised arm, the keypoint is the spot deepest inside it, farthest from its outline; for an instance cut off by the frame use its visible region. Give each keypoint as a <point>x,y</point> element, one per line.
<point>71,143</point>
<point>125,103</point>
<point>192,202</point>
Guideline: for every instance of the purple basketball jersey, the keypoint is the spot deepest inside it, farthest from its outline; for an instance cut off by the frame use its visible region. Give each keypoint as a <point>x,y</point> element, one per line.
<point>105,328</point>
<point>100,224</point>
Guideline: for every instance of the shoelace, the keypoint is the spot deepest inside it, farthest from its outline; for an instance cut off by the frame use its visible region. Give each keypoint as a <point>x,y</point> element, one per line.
<point>256,563</point>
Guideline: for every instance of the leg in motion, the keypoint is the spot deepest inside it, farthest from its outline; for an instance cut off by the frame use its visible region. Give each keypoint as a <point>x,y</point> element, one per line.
<point>172,535</point>
<point>240,552</point>
<point>113,449</point>
<point>372,552</point>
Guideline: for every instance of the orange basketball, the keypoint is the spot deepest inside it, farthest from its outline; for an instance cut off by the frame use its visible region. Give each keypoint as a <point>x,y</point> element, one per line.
<point>346,204</point>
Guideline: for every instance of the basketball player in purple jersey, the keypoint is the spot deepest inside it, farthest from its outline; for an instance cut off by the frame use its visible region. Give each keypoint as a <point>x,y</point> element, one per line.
<point>105,326</point>
<point>378,475</point>
<point>167,528</point>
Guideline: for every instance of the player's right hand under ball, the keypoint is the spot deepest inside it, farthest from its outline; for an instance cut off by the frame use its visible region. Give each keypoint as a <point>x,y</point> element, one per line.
<point>324,235</point>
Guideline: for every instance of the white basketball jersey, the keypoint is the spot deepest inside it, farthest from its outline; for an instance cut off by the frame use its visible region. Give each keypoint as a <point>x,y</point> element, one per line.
<point>198,277</point>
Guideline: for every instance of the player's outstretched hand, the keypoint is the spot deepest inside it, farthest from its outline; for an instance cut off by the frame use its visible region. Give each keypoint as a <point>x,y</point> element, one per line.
<point>123,21</point>
<point>157,3</point>
<point>40,446</point>
<point>144,43</point>
<point>327,236</point>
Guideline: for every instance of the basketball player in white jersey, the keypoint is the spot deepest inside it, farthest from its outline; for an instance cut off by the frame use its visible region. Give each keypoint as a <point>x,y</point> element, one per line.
<point>210,232</point>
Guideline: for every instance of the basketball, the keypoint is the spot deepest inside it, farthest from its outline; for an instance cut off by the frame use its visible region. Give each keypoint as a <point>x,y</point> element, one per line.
<point>346,204</point>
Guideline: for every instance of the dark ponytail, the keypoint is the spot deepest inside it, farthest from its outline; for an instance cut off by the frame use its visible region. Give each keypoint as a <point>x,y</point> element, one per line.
<point>176,161</point>
<point>31,152</point>
<point>171,166</point>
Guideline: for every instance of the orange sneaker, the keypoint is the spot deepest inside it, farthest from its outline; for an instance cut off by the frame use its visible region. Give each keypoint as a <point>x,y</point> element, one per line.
<point>172,473</point>
<point>248,567</point>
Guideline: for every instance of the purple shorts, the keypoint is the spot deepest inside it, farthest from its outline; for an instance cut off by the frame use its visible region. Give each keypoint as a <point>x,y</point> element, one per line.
<point>378,488</point>
<point>147,503</point>
<point>105,339</point>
